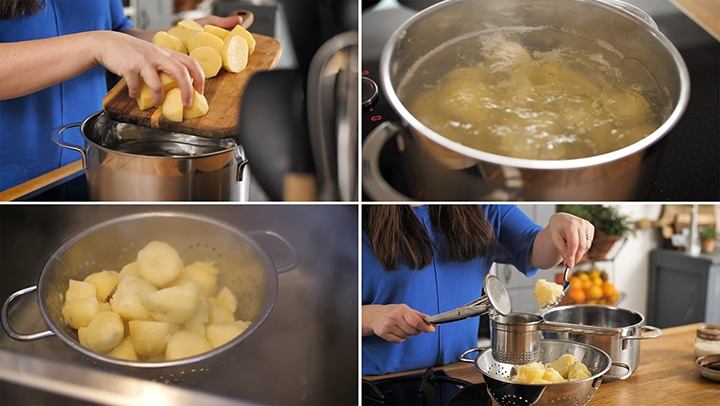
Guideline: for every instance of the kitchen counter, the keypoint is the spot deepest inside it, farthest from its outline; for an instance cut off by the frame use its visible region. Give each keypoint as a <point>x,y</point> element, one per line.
<point>666,375</point>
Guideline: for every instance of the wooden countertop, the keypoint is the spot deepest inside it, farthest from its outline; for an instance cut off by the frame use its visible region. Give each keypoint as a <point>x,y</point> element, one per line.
<point>43,181</point>
<point>666,375</point>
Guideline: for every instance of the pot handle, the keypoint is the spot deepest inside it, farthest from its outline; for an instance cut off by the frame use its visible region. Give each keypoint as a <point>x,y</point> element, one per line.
<point>372,180</point>
<point>633,10</point>
<point>247,15</point>
<point>656,333</point>
<point>620,377</point>
<point>295,257</point>
<point>464,355</point>
<point>56,137</point>
<point>6,323</point>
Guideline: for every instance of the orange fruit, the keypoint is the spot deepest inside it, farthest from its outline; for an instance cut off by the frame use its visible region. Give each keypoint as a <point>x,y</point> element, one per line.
<point>595,292</point>
<point>576,283</point>
<point>577,295</point>
<point>608,289</point>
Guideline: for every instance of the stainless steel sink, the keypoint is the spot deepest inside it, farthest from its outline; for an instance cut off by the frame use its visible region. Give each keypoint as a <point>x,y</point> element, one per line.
<point>304,353</point>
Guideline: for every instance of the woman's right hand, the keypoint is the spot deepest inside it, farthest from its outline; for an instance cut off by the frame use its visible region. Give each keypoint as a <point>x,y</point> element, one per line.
<point>139,61</point>
<point>394,322</point>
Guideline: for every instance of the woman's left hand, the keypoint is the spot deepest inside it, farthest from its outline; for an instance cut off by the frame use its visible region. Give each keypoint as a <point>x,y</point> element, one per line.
<point>566,237</point>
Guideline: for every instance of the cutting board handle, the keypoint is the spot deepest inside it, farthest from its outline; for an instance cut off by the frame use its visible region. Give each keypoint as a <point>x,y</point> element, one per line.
<point>247,15</point>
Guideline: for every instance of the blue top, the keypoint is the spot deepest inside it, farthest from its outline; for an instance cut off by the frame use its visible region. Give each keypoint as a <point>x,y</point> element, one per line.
<point>440,287</point>
<point>26,150</point>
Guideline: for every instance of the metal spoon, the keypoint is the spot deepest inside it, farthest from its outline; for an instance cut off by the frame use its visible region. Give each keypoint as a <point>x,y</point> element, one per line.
<point>565,285</point>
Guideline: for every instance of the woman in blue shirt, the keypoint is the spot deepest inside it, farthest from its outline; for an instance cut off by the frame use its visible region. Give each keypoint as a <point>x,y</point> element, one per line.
<point>418,261</point>
<point>53,55</point>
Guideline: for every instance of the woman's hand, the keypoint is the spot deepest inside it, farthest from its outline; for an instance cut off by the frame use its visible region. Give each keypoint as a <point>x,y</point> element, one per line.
<point>566,237</point>
<point>393,322</point>
<point>139,61</point>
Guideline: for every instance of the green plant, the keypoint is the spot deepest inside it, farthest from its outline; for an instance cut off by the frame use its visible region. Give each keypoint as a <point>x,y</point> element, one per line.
<point>708,232</point>
<point>606,219</point>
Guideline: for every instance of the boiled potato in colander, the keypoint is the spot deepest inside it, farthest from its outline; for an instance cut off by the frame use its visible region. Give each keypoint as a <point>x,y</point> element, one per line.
<point>563,369</point>
<point>156,308</point>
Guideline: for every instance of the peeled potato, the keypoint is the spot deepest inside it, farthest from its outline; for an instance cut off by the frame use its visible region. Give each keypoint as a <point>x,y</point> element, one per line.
<point>151,337</point>
<point>215,30</point>
<point>562,364</point>
<point>190,24</point>
<point>203,273</point>
<point>176,304</point>
<point>158,262</point>
<point>80,290</point>
<point>563,369</point>
<point>105,283</point>
<point>226,299</point>
<point>219,334</point>
<point>246,35</point>
<point>78,312</point>
<point>104,332</point>
<point>186,343</point>
<point>209,59</point>
<point>198,322</point>
<point>172,107</point>
<point>144,99</point>
<point>130,269</point>
<point>204,39</point>
<point>184,34</point>
<point>235,54</point>
<point>547,292</point>
<point>124,350</point>
<point>220,315</point>
<point>199,106</point>
<point>169,41</point>
<point>126,300</point>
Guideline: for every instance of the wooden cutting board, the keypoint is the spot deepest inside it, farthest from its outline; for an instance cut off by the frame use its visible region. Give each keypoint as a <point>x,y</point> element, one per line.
<point>223,92</point>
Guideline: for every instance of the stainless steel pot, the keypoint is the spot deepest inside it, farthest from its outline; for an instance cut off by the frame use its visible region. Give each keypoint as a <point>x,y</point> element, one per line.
<point>619,175</point>
<point>614,330</point>
<point>127,162</point>
<point>245,268</point>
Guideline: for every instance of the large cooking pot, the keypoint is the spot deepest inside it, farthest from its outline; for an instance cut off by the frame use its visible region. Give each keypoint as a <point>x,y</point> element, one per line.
<point>616,331</point>
<point>127,162</point>
<point>244,267</point>
<point>437,168</point>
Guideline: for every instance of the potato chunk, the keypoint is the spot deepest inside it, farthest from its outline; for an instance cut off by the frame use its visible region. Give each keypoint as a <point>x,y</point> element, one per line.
<point>235,54</point>
<point>104,332</point>
<point>78,312</point>
<point>220,334</point>
<point>547,293</point>
<point>169,41</point>
<point>150,338</point>
<point>158,262</point>
<point>124,350</point>
<point>176,304</point>
<point>226,299</point>
<point>246,35</point>
<point>80,290</point>
<point>209,59</point>
<point>172,106</point>
<point>204,39</point>
<point>216,31</point>
<point>105,282</point>
<point>203,273</point>
<point>186,343</point>
<point>126,300</point>
<point>199,106</point>
<point>563,369</point>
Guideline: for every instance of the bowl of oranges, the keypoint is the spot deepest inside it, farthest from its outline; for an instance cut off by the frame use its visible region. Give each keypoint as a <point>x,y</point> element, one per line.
<point>590,287</point>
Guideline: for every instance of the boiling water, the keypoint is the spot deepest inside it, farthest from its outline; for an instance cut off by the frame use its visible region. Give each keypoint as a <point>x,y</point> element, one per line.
<point>534,93</point>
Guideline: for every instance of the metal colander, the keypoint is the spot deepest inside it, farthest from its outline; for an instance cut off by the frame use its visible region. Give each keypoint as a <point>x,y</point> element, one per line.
<point>506,392</point>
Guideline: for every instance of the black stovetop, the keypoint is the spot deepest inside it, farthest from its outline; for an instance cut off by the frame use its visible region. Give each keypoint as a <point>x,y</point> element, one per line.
<point>689,168</point>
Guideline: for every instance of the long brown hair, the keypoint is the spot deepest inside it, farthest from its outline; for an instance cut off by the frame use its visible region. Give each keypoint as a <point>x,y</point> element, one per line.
<point>397,236</point>
<point>20,8</point>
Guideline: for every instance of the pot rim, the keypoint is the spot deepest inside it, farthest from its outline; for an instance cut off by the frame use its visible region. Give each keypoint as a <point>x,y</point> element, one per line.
<point>230,147</point>
<point>644,143</point>
<point>152,365</point>
<point>621,329</point>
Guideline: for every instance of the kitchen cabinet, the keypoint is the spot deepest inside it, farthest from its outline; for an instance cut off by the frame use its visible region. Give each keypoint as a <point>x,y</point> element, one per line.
<point>683,288</point>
